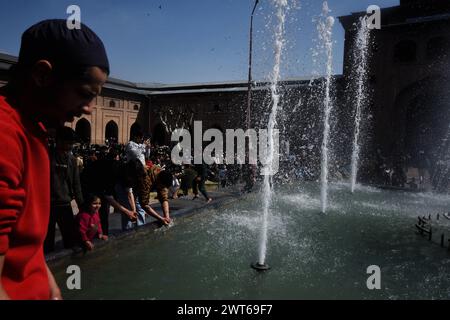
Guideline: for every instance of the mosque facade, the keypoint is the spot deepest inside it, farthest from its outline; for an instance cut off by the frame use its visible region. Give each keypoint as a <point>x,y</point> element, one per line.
<point>408,79</point>
<point>409,82</point>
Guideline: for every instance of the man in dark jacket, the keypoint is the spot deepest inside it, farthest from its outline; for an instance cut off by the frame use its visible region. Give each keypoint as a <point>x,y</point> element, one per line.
<point>199,181</point>
<point>65,186</point>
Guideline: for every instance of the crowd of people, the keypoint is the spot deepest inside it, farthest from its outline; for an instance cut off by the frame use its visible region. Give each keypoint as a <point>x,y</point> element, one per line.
<point>122,176</point>
<point>59,73</point>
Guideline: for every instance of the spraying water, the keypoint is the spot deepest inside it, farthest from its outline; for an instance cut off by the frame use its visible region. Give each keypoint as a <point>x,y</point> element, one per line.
<point>360,57</point>
<point>281,6</point>
<point>325,27</point>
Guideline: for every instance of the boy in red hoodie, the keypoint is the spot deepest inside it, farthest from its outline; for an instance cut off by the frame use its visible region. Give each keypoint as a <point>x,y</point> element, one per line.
<point>58,75</point>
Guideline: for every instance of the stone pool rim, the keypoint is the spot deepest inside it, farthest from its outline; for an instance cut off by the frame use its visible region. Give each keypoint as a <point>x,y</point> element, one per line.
<point>65,256</point>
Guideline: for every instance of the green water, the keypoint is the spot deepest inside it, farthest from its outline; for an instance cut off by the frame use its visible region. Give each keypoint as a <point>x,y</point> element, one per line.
<point>312,256</point>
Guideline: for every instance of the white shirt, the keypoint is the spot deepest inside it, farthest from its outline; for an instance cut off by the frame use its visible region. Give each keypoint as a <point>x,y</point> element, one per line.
<point>135,150</point>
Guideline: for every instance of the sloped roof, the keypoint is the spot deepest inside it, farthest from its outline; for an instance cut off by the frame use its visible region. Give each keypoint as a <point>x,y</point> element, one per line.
<point>6,60</point>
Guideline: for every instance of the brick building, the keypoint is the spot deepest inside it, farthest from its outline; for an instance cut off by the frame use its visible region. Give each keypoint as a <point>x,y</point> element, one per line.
<point>407,119</point>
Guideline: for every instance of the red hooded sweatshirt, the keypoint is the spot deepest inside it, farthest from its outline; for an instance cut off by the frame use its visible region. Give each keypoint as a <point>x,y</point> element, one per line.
<point>24,204</point>
<point>84,222</point>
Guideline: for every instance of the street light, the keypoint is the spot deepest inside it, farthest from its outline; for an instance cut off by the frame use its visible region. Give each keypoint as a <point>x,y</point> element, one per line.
<point>249,94</point>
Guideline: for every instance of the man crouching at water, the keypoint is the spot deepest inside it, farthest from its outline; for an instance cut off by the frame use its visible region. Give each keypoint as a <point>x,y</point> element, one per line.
<point>57,77</point>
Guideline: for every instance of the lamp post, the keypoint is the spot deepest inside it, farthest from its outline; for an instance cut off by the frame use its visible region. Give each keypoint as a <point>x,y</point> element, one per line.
<point>249,93</point>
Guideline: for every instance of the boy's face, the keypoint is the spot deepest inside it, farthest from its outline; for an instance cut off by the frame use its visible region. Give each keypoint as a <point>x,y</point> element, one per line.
<point>73,98</point>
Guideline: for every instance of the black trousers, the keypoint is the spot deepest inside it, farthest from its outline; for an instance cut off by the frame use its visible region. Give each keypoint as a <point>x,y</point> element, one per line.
<point>199,185</point>
<point>104,215</point>
<point>63,216</point>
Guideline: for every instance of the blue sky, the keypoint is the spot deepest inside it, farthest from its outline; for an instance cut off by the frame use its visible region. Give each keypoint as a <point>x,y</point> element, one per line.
<point>187,41</point>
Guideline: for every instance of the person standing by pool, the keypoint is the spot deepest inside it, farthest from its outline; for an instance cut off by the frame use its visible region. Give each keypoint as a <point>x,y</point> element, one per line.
<point>58,75</point>
<point>65,187</point>
<point>222,176</point>
<point>199,182</point>
<point>135,148</point>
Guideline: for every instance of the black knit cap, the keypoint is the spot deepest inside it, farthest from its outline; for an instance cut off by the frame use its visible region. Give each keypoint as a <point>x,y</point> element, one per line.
<point>68,48</point>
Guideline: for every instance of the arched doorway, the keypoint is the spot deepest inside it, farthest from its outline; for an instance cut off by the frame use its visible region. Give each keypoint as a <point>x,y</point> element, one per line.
<point>112,132</point>
<point>83,130</point>
<point>135,128</point>
<point>159,135</point>
<point>421,123</point>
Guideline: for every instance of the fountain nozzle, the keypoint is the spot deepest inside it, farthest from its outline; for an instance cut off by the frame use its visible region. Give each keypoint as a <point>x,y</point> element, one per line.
<point>260,267</point>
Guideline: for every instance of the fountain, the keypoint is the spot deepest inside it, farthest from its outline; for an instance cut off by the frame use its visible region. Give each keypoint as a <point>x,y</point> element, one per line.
<point>360,57</point>
<point>205,256</point>
<point>325,34</point>
<point>281,6</point>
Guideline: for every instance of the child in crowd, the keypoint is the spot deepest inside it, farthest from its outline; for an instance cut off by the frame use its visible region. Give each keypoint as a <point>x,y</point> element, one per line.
<point>88,222</point>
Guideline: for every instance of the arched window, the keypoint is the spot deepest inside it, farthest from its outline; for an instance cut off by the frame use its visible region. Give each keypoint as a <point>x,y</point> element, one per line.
<point>83,130</point>
<point>135,129</point>
<point>136,107</point>
<point>112,131</point>
<point>405,52</point>
<point>112,104</point>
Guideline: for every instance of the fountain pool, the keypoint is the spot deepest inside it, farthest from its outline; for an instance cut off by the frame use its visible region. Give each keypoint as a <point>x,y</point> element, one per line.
<point>312,255</point>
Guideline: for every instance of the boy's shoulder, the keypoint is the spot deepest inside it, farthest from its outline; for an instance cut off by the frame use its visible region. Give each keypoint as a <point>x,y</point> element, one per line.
<point>8,114</point>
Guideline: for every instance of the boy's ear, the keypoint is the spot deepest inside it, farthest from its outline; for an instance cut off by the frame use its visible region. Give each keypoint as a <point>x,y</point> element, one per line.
<point>42,73</point>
